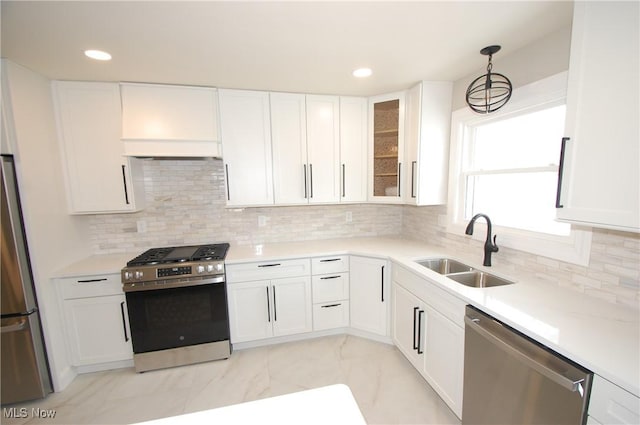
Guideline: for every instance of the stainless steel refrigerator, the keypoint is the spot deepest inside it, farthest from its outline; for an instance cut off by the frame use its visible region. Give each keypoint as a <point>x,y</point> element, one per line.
<point>25,371</point>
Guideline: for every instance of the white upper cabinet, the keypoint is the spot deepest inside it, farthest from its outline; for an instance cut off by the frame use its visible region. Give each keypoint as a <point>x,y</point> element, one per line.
<point>166,120</point>
<point>99,178</point>
<point>427,126</point>
<point>600,177</point>
<point>353,149</point>
<point>246,140</point>
<point>386,162</point>
<point>323,148</point>
<point>289,143</point>
<point>306,148</point>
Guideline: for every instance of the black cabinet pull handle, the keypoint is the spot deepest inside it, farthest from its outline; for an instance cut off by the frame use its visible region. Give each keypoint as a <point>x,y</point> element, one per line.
<point>329,277</point>
<point>415,345</point>
<point>413,178</point>
<point>268,307</point>
<point>561,171</point>
<point>124,183</point>
<point>124,323</point>
<point>275,306</point>
<point>420,313</point>
<point>399,178</point>
<point>269,265</point>
<point>382,283</point>
<point>330,305</point>
<point>92,280</point>
<point>304,171</point>
<point>226,174</point>
<point>327,260</point>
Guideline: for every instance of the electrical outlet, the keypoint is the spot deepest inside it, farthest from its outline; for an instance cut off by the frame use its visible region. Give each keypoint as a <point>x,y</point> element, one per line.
<point>349,216</point>
<point>262,220</point>
<point>142,226</point>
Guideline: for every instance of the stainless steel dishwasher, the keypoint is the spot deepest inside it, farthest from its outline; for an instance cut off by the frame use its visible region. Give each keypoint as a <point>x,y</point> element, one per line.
<point>511,379</point>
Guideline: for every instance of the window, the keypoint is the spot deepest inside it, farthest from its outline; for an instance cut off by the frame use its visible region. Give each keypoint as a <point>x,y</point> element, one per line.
<point>512,170</point>
<point>505,165</point>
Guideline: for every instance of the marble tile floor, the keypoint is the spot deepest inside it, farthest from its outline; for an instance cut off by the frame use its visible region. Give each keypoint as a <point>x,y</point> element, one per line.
<point>387,388</point>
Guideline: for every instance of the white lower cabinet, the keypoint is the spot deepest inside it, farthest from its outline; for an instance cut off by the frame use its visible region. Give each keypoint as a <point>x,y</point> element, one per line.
<point>96,320</point>
<point>610,404</point>
<point>268,308</point>
<point>428,329</point>
<point>330,292</point>
<point>369,294</point>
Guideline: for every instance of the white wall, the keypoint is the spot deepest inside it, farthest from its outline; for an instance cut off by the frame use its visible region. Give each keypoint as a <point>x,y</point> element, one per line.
<point>54,237</point>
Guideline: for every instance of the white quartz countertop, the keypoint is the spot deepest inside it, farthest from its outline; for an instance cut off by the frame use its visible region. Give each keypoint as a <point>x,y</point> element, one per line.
<point>326,405</point>
<point>598,335</point>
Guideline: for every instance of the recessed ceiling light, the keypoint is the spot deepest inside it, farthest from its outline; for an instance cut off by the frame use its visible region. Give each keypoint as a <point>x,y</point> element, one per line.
<point>362,72</point>
<point>97,55</point>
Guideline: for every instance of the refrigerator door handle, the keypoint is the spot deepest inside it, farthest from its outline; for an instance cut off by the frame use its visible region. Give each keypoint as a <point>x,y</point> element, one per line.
<point>20,326</point>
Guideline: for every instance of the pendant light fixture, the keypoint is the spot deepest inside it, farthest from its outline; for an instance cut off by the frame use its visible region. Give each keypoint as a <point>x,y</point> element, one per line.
<point>490,91</point>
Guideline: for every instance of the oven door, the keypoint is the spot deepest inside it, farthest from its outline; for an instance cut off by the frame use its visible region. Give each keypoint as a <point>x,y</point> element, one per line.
<point>176,317</point>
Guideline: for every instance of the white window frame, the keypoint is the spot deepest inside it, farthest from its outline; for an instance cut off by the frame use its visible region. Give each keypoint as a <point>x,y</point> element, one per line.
<point>574,248</point>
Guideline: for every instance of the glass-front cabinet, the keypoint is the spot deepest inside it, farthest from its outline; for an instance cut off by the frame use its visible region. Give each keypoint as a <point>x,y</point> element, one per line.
<point>386,136</point>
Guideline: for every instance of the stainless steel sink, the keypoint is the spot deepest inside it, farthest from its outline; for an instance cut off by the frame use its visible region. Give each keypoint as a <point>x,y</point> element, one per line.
<point>444,265</point>
<point>462,273</point>
<point>478,279</point>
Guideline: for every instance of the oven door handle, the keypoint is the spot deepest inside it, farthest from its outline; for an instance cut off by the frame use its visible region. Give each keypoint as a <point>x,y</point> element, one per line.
<point>167,284</point>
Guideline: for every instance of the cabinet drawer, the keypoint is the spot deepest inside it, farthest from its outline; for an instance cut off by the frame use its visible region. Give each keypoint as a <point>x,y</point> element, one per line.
<point>266,270</point>
<point>90,286</point>
<point>330,315</point>
<point>330,287</point>
<point>610,404</point>
<point>333,264</point>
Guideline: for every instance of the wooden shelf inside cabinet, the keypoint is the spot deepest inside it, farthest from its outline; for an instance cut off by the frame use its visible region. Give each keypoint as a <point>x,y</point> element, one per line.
<point>386,156</point>
<point>386,175</point>
<point>386,132</point>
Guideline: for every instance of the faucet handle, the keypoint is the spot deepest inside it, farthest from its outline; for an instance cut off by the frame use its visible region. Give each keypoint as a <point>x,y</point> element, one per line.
<point>495,247</point>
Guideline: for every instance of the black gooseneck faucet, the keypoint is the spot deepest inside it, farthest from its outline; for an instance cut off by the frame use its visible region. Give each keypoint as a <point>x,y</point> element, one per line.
<point>489,246</point>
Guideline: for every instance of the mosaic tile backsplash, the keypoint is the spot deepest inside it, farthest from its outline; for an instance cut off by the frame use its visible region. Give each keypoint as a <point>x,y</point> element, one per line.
<point>186,205</point>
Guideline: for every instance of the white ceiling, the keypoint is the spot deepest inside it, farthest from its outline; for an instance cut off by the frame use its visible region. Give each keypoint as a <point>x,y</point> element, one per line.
<point>292,46</point>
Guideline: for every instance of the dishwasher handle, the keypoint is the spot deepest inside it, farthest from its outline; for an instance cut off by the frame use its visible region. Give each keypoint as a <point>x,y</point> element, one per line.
<point>574,385</point>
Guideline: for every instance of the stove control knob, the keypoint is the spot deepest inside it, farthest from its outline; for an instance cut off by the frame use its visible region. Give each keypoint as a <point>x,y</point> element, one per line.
<point>219,267</point>
<point>209,268</point>
<point>128,275</point>
<point>139,274</point>
<point>200,269</point>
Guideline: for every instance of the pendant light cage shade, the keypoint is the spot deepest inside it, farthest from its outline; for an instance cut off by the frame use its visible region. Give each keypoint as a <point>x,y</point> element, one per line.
<point>490,91</point>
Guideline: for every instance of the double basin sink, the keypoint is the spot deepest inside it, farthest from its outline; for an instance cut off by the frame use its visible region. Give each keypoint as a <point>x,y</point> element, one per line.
<point>462,273</point>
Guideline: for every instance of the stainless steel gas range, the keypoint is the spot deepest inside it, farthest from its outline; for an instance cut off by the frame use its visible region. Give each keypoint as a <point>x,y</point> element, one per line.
<point>177,306</point>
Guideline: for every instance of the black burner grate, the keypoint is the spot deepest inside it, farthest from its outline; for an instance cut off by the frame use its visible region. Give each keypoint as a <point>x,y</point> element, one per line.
<point>179,254</point>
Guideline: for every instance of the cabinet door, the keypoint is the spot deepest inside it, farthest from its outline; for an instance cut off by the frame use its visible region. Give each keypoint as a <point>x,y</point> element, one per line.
<point>250,311</point>
<point>323,147</point>
<point>166,112</point>
<point>353,149</point>
<point>99,178</point>
<point>408,325</point>
<point>292,313</point>
<point>289,142</point>
<point>369,294</point>
<point>97,330</point>
<point>444,358</point>
<point>246,144</point>
<point>601,178</point>
<point>427,124</point>
<point>386,167</point>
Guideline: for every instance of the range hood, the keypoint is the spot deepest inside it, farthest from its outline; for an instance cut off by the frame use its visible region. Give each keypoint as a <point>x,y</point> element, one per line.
<point>172,148</point>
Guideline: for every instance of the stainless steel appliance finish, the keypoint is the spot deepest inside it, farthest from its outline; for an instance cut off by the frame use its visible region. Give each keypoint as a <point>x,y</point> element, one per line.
<point>25,371</point>
<point>511,379</point>
<point>177,306</point>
